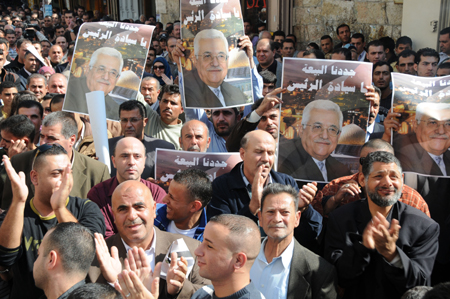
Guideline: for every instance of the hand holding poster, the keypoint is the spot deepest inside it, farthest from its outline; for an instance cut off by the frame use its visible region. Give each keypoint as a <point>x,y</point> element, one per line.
<point>108,57</point>
<point>216,72</point>
<point>169,162</point>
<point>324,111</point>
<point>421,119</point>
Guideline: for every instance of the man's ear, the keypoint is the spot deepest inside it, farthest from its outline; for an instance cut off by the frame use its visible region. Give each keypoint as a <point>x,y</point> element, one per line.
<point>145,121</point>
<point>114,161</point>
<point>415,67</point>
<point>240,260</point>
<point>361,180</point>
<point>53,260</point>
<point>242,153</point>
<point>298,215</point>
<point>34,177</point>
<point>196,206</point>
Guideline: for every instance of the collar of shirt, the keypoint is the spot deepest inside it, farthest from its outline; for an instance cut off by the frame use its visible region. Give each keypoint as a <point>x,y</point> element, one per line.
<point>370,128</point>
<point>220,96</point>
<point>286,255</point>
<point>29,74</point>
<point>362,56</point>
<point>150,253</point>
<point>246,182</point>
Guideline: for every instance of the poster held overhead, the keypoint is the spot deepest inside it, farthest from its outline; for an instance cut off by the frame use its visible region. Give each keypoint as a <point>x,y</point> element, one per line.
<point>215,71</point>
<point>108,57</point>
<point>324,117</point>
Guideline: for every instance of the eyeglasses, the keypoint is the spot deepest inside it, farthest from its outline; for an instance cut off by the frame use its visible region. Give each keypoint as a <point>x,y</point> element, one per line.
<point>434,124</point>
<point>158,67</point>
<point>101,70</point>
<point>318,128</point>
<point>132,120</point>
<point>45,147</point>
<point>208,58</point>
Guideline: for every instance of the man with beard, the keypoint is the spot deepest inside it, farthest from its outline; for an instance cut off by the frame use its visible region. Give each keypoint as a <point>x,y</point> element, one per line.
<point>151,55</point>
<point>343,34</point>
<point>380,246</point>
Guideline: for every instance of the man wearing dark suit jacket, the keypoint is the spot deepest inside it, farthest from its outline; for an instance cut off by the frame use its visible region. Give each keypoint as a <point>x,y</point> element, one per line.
<point>134,213</point>
<point>374,130</point>
<point>284,268</point>
<point>31,66</point>
<point>309,157</point>
<point>205,87</point>
<point>61,128</point>
<point>424,151</point>
<point>381,247</point>
<point>239,191</point>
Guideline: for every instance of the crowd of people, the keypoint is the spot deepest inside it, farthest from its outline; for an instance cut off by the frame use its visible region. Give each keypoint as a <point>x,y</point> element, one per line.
<point>72,228</point>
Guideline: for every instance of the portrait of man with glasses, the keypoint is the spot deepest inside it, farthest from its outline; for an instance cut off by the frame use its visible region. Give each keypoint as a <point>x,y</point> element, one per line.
<point>204,86</point>
<point>103,73</point>
<point>425,150</point>
<point>309,156</point>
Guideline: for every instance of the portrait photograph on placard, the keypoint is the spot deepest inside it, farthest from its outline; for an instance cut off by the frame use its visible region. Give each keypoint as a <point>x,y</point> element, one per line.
<point>216,72</point>
<point>169,162</point>
<point>324,117</point>
<point>108,57</point>
<point>421,108</point>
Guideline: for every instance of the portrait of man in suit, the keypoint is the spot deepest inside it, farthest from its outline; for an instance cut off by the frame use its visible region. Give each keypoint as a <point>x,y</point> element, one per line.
<point>309,157</point>
<point>205,86</point>
<point>103,73</point>
<point>426,149</point>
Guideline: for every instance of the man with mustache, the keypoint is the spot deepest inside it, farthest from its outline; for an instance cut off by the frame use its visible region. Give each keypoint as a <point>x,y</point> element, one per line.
<point>103,73</point>
<point>194,136</point>
<point>150,89</point>
<point>205,86</point>
<point>381,78</point>
<point>134,213</point>
<point>309,157</point>
<point>425,150</point>
<point>283,267</point>
<point>239,191</point>
<point>374,130</point>
<point>128,160</point>
<point>380,246</point>
<point>132,121</point>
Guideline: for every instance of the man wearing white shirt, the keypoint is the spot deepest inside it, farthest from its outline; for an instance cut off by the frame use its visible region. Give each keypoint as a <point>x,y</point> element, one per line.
<point>374,129</point>
<point>284,268</point>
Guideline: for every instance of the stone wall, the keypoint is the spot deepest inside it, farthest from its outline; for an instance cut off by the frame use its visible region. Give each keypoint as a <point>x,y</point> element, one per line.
<point>373,18</point>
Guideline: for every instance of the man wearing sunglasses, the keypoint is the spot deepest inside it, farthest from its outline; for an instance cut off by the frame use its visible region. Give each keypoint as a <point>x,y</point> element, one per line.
<point>61,128</point>
<point>309,157</point>
<point>104,71</point>
<point>24,225</point>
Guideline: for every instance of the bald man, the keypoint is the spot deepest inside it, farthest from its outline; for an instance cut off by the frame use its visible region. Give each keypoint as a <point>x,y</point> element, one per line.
<point>230,246</point>
<point>57,83</point>
<point>56,54</point>
<point>129,161</point>
<point>134,212</point>
<point>194,136</point>
<point>231,195</point>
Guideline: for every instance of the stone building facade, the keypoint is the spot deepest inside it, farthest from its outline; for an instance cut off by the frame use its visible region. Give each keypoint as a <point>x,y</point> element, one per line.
<point>374,18</point>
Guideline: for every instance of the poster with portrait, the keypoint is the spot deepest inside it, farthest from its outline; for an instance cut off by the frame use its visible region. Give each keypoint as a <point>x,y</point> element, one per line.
<point>323,117</point>
<point>216,73</point>
<point>169,162</point>
<point>422,139</point>
<point>108,57</point>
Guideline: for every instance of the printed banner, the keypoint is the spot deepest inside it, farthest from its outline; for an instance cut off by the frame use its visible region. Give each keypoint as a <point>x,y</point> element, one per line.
<point>216,72</point>
<point>169,162</point>
<point>423,139</point>
<point>323,118</point>
<point>108,57</point>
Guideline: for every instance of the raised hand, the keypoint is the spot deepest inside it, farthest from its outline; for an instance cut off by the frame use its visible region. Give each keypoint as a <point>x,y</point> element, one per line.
<point>176,274</point>
<point>109,263</point>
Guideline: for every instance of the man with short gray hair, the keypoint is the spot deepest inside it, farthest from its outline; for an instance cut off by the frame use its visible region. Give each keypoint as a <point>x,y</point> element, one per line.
<point>309,157</point>
<point>60,127</point>
<point>37,84</point>
<point>104,71</point>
